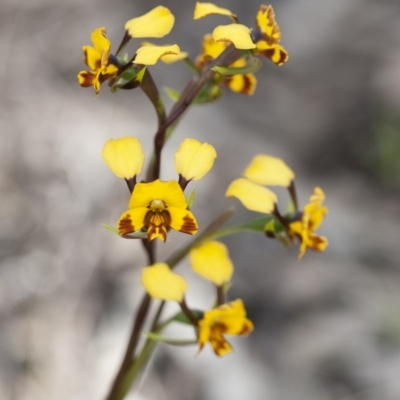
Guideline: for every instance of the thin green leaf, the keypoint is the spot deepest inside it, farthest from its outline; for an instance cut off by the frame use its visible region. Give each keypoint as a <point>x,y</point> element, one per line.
<point>256,225</point>
<point>140,74</point>
<point>253,65</point>
<point>208,94</point>
<point>111,228</point>
<point>176,342</point>
<point>129,74</point>
<point>183,319</point>
<point>173,94</point>
<point>190,200</point>
<point>291,209</point>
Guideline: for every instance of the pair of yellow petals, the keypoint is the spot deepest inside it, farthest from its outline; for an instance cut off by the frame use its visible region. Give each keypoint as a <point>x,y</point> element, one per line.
<point>263,171</point>
<point>125,158</point>
<point>210,260</point>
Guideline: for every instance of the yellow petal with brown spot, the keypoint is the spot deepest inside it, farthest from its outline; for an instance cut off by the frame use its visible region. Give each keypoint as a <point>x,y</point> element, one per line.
<point>183,220</point>
<point>228,319</point>
<point>245,84</point>
<point>131,221</point>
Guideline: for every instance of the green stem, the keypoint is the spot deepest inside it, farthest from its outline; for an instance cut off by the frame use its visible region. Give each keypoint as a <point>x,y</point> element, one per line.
<point>135,368</point>
<point>181,254</point>
<point>119,381</point>
<point>229,230</point>
<point>136,365</point>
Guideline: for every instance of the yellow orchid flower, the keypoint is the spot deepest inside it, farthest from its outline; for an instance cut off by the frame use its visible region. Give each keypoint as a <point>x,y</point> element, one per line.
<point>157,206</point>
<point>239,83</point>
<point>227,319</point>
<point>267,36</point>
<point>311,218</point>
<point>211,261</point>
<point>263,40</point>
<point>163,284</point>
<point>97,58</point>
<point>265,170</point>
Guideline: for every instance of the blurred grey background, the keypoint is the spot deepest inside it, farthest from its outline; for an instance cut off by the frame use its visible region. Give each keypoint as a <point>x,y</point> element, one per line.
<point>327,328</point>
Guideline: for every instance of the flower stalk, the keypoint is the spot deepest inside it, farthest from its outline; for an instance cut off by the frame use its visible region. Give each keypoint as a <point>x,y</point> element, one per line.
<point>229,58</point>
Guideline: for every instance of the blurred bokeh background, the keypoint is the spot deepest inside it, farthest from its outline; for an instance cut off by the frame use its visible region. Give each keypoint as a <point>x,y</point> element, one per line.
<point>327,328</point>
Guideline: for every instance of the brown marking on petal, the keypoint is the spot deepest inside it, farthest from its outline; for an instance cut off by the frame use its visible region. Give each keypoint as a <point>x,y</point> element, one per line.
<point>219,344</point>
<point>86,78</point>
<point>221,347</point>
<point>189,225</point>
<point>125,225</point>
<point>157,231</point>
<point>317,243</point>
<point>277,55</point>
<point>283,57</point>
<point>268,53</point>
<point>157,223</point>
<point>246,329</point>
<point>246,87</point>
<point>275,36</point>
<point>104,77</point>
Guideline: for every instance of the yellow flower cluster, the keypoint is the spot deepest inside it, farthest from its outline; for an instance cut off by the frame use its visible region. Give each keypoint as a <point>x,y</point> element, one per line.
<point>263,40</point>
<point>157,23</point>
<point>211,261</point>
<point>265,170</point>
<point>158,206</point>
